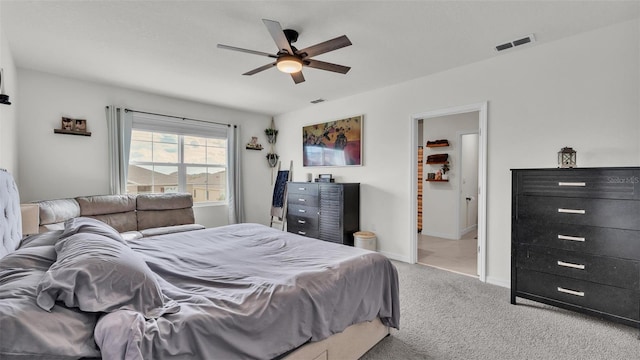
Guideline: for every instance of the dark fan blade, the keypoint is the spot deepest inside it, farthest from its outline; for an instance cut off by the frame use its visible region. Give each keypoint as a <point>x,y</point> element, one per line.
<point>297,77</point>
<point>323,47</point>
<point>261,68</point>
<point>247,51</point>
<point>278,35</point>
<point>317,64</point>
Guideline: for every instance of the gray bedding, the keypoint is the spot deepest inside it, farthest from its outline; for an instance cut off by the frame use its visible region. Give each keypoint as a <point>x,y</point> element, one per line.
<point>244,292</point>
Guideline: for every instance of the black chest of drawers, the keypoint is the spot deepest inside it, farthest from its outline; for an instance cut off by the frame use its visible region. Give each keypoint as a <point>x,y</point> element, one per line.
<point>575,240</point>
<point>325,211</point>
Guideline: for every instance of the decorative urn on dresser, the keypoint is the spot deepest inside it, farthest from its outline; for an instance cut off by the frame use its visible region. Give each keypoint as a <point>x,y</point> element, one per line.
<point>575,240</point>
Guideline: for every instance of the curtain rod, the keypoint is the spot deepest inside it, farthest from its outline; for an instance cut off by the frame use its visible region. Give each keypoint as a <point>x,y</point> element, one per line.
<point>178,117</point>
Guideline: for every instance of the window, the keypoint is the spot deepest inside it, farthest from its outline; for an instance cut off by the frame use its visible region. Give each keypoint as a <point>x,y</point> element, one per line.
<point>163,161</point>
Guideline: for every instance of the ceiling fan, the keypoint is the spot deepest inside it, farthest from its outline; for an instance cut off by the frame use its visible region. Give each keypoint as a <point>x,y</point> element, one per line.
<point>291,60</point>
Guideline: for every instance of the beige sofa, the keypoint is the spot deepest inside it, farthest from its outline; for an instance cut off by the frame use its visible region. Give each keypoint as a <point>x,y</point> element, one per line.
<point>134,216</point>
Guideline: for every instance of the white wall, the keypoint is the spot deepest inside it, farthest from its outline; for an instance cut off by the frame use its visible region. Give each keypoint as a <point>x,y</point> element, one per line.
<point>8,118</point>
<point>440,199</point>
<point>581,91</point>
<point>57,166</point>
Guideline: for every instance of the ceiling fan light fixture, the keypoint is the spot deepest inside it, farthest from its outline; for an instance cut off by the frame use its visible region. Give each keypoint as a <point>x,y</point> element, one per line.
<point>289,64</point>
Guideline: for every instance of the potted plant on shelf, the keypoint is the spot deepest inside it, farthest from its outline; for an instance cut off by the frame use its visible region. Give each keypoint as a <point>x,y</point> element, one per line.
<point>445,169</point>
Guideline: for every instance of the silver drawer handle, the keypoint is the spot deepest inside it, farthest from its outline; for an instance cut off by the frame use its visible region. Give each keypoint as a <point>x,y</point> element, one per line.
<point>302,189</point>
<point>571,265</point>
<point>571,238</point>
<point>570,292</point>
<point>302,210</point>
<point>302,222</point>
<point>571,184</point>
<point>571,211</point>
<point>302,232</point>
<point>302,200</point>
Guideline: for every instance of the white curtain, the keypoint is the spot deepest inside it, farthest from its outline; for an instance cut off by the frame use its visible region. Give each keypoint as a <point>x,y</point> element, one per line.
<point>234,186</point>
<point>119,130</point>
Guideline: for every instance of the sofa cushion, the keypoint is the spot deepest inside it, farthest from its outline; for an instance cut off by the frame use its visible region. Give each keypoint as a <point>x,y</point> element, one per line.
<point>160,218</point>
<point>58,211</point>
<point>106,204</point>
<point>116,210</point>
<point>122,222</point>
<point>164,201</point>
<point>161,210</point>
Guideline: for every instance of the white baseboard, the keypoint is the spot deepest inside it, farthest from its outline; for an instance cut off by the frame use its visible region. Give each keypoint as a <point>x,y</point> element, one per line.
<point>471,228</point>
<point>499,281</point>
<point>440,235</point>
<point>397,257</point>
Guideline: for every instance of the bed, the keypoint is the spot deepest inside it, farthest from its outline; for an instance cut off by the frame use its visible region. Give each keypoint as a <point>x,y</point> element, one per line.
<point>241,291</point>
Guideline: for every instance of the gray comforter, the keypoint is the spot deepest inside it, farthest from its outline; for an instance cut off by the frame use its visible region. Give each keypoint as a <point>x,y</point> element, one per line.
<point>244,292</point>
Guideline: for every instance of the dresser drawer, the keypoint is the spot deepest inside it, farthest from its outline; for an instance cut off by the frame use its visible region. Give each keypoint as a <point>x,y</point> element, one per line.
<point>601,183</point>
<point>587,239</point>
<point>302,210</point>
<point>599,269</point>
<point>302,188</point>
<point>302,221</point>
<point>603,298</point>
<point>302,229</point>
<point>620,214</point>
<point>302,199</point>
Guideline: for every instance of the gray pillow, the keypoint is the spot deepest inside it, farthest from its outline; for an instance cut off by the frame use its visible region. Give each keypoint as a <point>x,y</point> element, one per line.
<point>98,274</point>
<point>48,238</point>
<point>89,225</point>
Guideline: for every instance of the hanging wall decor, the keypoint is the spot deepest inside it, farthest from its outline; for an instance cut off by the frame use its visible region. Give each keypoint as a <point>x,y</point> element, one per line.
<point>334,143</point>
<point>272,159</point>
<point>272,133</point>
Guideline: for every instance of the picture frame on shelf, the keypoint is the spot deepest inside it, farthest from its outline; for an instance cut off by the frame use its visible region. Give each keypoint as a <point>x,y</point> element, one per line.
<point>80,125</point>
<point>67,124</point>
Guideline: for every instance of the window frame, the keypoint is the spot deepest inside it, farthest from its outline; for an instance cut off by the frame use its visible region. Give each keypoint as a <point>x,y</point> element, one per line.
<point>181,165</point>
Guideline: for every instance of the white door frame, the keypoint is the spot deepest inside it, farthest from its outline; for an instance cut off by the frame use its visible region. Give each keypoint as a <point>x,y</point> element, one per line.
<point>481,108</point>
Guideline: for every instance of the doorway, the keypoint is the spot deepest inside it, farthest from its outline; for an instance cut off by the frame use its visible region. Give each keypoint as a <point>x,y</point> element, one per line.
<point>454,208</point>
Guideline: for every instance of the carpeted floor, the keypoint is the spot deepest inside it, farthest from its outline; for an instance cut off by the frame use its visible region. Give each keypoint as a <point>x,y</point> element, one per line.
<point>450,316</point>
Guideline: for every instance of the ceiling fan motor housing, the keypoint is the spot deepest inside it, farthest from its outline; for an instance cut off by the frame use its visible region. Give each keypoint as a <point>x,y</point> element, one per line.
<point>292,35</point>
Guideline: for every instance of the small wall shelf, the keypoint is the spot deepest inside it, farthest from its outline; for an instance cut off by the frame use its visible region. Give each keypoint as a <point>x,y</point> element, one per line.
<point>71,132</point>
<point>437,162</point>
<point>434,180</point>
<point>437,143</point>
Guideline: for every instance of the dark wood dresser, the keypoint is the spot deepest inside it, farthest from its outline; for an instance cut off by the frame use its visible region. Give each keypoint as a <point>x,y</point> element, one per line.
<point>575,240</point>
<point>325,211</point>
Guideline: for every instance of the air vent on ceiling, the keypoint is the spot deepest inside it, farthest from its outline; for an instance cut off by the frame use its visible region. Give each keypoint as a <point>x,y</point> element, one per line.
<point>317,101</point>
<point>525,40</point>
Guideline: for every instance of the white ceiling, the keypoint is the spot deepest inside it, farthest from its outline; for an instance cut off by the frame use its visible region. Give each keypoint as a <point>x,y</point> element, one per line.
<point>169,47</point>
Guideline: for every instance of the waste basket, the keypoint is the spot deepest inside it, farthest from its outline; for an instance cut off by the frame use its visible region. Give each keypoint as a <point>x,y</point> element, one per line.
<point>365,240</point>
